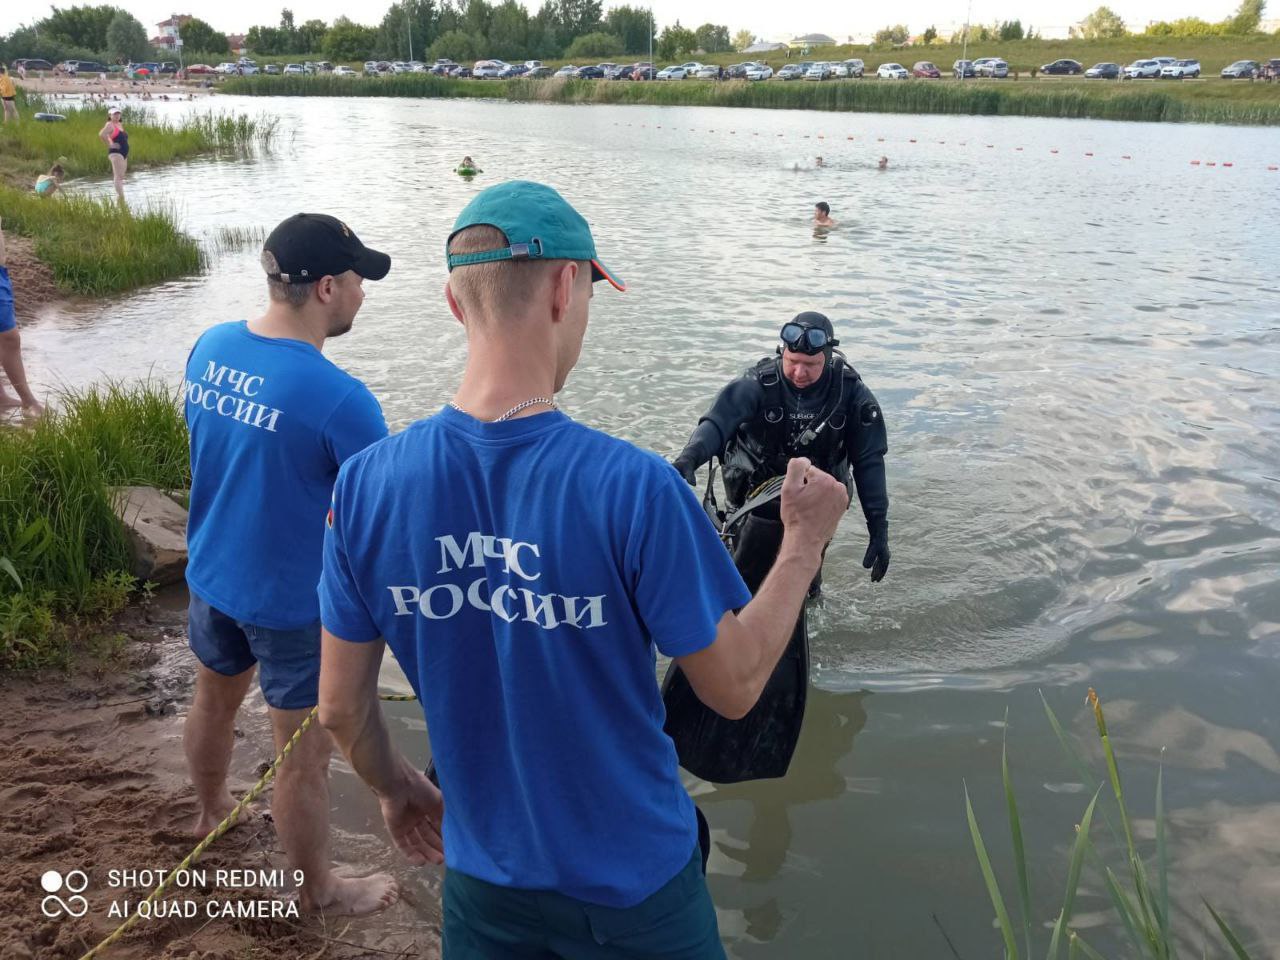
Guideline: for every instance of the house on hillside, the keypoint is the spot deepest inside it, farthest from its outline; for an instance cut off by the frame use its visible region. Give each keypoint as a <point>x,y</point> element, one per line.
<point>811,40</point>
<point>236,42</point>
<point>167,38</point>
<point>764,46</point>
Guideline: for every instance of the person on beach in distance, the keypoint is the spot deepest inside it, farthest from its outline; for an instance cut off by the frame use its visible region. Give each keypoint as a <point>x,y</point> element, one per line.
<point>8,95</point>
<point>271,420</point>
<point>524,569</point>
<point>47,184</point>
<point>822,215</point>
<point>114,135</point>
<point>11,344</point>
<point>804,400</point>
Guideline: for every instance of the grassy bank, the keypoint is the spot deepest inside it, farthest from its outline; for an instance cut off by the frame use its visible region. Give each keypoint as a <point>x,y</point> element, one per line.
<point>63,555</point>
<point>1211,102</point>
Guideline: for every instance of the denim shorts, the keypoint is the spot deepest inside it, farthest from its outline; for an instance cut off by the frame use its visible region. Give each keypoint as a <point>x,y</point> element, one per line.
<point>288,660</point>
<point>7,319</point>
<point>483,921</point>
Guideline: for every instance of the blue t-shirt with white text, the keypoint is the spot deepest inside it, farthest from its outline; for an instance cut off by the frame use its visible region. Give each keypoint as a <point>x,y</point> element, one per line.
<point>271,420</point>
<point>523,574</point>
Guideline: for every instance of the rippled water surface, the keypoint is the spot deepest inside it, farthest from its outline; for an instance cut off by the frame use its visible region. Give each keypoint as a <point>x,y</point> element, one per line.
<point>1077,357</point>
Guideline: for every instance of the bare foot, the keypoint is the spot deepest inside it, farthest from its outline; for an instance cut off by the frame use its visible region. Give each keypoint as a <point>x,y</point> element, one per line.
<point>209,819</point>
<point>351,896</point>
<point>8,401</point>
<point>33,409</point>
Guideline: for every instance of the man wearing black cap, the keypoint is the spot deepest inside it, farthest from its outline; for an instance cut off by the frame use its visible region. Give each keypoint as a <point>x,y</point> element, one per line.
<point>271,421</point>
<point>805,401</point>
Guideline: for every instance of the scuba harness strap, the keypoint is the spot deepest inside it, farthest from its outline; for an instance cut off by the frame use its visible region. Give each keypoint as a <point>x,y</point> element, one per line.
<point>825,427</point>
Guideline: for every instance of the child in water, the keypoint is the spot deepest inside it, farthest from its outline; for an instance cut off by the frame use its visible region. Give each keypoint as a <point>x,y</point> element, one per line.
<point>822,215</point>
<point>47,184</point>
<point>467,167</point>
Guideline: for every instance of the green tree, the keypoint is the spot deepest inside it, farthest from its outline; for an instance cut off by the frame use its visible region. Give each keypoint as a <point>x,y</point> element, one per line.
<point>895,34</point>
<point>1247,17</point>
<point>675,41</point>
<point>1011,30</point>
<point>634,25</point>
<point>311,36</point>
<point>262,40</point>
<point>930,34</point>
<point>713,38</point>
<point>199,37</point>
<point>1102,24</point>
<point>416,20</point>
<point>348,41</point>
<point>84,27</point>
<point>743,39</point>
<point>476,17</point>
<point>127,40</point>
<point>454,45</point>
<point>579,16</point>
<point>509,31</point>
<point>596,44</point>
<point>1186,27</point>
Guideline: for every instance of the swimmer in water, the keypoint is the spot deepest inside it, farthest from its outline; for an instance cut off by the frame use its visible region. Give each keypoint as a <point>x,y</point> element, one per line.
<point>468,166</point>
<point>884,163</point>
<point>822,215</point>
<point>818,162</point>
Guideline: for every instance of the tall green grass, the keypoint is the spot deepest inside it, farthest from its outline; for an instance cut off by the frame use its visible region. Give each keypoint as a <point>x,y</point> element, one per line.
<point>67,553</point>
<point>1186,103</point>
<point>30,147</point>
<point>1139,897</point>
<point>95,246</point>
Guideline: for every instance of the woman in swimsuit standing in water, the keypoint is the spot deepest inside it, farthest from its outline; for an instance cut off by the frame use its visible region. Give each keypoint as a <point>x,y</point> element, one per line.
<point>117,141</point>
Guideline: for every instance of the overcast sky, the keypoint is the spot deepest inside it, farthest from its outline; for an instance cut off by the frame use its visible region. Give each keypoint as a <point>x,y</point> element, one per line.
<point>768,19</point>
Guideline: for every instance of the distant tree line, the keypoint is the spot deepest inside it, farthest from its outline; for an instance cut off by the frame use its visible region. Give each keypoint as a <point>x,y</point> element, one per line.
<point>105,33</point>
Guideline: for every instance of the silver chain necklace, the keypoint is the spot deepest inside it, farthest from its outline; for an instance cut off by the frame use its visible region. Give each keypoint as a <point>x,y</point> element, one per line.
<point>514,410</point>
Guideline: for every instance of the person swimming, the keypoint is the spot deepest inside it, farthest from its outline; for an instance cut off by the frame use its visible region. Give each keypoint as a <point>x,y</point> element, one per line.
<point>883,164</point>
<point>467,167</point>
<point>818,162</point>
<point>822,215</point>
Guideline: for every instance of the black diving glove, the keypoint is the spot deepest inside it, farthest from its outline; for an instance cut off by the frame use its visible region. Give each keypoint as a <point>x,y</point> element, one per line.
<point>685,467</point>
<point>877,556</point>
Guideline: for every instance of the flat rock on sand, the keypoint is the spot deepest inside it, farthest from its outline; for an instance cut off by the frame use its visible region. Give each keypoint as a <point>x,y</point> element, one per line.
<point>94,780</point>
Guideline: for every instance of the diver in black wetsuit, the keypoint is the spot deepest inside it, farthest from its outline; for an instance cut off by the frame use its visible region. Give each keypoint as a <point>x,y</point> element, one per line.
<point>805,401</point>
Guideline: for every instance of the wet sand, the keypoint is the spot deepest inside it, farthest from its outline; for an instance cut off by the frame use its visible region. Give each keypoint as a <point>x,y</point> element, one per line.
<point>33,285</point>
<point>95,780</point>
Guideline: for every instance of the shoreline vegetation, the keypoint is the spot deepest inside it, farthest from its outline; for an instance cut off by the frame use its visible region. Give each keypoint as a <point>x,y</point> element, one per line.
<point>64,555</point>
<point>91,245</point>
<point>1171,101</point>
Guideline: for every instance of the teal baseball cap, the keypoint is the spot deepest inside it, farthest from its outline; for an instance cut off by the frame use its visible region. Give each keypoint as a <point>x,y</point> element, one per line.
<point>538,224</point>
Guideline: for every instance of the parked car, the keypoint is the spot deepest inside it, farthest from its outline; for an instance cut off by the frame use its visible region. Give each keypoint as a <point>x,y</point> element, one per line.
<point>293,68</point>
<point>759,71</point>
<point>961,69</point>
<point>84,66</point>
<point>979,64</point>
<point>1165,61</point>
<point>32,63</point>
<point>994,67</point>
<point>324,66</point>
<point>793,71</point>
<point>737,71</point>
<point>855,67</point>
<point>488,69</point>
<point>1181,69</point>
<point>460,73</point>
<point>839,71</point>
<point>1141,69</point>
<point>196,69</point>
<point>692,67</point>
<point>672,73</point>
<point>1103,71</point>
<point>529,64</point>
<point>645,71</point>
<point>923,68</point>
<point>512,70</point>
<point>1241,70</point>
<point>589,73</point>
<point>619,71</point>
<point>892,71</point>
<point>1063,68</point>
<point>168,66</point>
<point>538,73</point>
<point>819,71</point>
<point>1271,68</point>
<point>568,70</point>
<point>344,71</point>
<point>707,72</point>
<point>272,69</point>
<point>226,68</point>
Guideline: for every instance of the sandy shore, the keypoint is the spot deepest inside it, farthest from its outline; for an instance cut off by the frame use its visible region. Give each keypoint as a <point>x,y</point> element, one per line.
<point>114,86</point>
<point>94,780</point>
<point>33,285</point>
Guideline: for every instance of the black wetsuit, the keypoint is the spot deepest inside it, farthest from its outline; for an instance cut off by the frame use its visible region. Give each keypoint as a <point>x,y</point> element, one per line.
<point>760,421</point>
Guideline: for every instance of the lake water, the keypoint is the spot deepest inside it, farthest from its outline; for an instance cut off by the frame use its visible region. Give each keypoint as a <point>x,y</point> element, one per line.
<point>1077,357</point>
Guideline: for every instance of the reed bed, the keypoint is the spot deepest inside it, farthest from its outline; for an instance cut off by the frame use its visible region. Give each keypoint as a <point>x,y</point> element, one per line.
<point>95,246</point>
<point>62,552</point>
<point>1139,892</point>
<point>1139,101</point>
<point>231,239</point>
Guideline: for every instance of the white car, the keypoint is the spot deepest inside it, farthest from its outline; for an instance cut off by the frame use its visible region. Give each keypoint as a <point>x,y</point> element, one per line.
<point>488,69</point>
<point>399,66</point>
<point>855,67</point>
<point>980,63</point>
<point>533,64</point>
<point>692,67</point>
<point>370,68</point>
<point>840,71</point>
<point>1165,61</point>
<point>759,71</point>
<point>344,72</point>
<point>1181,68</point>
<point>672,73</point>
<point>819,71</point>
<point>293,68</point>
<point>565,72</point>
<point>707,73</point>
<point>1142,68</point>
<point>892,71</point>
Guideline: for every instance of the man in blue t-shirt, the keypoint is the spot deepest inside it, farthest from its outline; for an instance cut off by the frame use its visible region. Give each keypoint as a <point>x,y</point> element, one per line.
<point>525,569</point>
<point>271,421</point>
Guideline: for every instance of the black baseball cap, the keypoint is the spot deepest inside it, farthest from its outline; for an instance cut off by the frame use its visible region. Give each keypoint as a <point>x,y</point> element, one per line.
<point>308,246</point>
